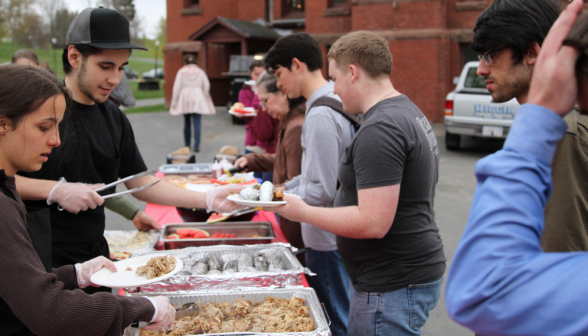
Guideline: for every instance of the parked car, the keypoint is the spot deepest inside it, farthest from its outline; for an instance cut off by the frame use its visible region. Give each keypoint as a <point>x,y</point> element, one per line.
<point>470,111</point>
<point>151,74</point>
<point>130,73</point>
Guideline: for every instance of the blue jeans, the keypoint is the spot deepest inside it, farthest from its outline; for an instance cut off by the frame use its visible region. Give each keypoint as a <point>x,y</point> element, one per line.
<point>196,118</point>
<point>399,313</point>
<point>332,286</point>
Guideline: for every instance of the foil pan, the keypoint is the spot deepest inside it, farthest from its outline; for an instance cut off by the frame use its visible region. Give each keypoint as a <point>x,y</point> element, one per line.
<point>317,313</point>
<point>243,230</point>
<point>291,274</point>
<point>186,169</point>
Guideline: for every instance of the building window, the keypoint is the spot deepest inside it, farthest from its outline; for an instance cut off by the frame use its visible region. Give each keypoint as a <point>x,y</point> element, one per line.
<point>293,8</point>
<point>338,3</point>
<point>192,3</point>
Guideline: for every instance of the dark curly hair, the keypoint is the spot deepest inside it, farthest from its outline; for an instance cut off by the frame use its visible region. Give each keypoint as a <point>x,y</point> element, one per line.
<point>515,24</point>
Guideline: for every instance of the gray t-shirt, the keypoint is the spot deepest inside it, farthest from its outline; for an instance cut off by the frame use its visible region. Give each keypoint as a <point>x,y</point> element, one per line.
<point>325,135</point>
<point>395,145</point>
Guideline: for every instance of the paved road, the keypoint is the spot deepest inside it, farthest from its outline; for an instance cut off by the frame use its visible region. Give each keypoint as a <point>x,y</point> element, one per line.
<point>158,134</point>
<point>148,102</point>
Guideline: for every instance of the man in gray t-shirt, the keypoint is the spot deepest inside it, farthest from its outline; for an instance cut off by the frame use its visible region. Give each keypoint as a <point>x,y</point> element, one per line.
<point>296,60</point>
<point>384,218</point>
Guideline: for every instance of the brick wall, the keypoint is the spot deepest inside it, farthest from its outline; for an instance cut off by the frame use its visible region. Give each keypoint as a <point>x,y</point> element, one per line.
<point>424,37</point>
<point>317,22</point>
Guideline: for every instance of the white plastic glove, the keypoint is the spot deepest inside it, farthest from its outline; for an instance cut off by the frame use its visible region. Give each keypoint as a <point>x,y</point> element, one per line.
<point>84,271</point>
<point>216,199</point>
<point>165,314</point>
<point>74,197</point>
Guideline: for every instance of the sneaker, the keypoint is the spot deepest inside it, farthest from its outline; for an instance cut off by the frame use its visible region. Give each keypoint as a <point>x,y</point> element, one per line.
<point>196,150</point>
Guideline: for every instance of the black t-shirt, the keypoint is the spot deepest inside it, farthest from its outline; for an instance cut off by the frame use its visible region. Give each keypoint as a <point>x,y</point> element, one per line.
<point>395,145</point>
<point>97,146</point>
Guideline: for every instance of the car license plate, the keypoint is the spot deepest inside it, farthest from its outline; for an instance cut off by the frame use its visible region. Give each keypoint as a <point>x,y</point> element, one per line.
<point>492,131</point>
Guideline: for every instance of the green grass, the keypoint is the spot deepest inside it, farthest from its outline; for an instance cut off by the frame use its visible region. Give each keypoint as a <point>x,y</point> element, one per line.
<point>8,49</point>
<point>146,94</point>
<point>146,109</point>
<point>141,67</point>
<point>149,44</point>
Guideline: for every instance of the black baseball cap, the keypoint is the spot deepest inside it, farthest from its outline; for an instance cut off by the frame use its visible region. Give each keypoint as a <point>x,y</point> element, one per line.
<point>101,28</point>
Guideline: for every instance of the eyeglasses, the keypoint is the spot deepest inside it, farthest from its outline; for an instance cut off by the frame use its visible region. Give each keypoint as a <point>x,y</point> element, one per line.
<point>487,56</point>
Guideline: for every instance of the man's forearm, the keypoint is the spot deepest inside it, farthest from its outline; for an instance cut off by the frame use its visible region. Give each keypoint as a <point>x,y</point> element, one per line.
<point>33,189</point>
<point>165,193</point>
<point>122,206</point>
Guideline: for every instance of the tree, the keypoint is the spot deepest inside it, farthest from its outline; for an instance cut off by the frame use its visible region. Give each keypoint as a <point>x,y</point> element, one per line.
<point>60,25</point>
<point>162,30</point>
<point>31,31</point>
<point>50,7</point>
<point>127,7</point>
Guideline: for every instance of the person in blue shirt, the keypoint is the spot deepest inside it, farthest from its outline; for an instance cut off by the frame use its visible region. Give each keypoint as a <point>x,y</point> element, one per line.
<point>501,282</point>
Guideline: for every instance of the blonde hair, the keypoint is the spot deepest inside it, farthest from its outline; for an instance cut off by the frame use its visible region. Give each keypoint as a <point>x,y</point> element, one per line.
<point>364,49</point>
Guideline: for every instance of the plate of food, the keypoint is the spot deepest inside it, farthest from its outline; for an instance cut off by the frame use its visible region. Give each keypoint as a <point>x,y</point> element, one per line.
<point>136,272</point>
<point>239,110</point>
<point>264,195</point>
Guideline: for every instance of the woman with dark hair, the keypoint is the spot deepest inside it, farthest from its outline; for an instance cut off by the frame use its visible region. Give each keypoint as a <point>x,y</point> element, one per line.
<point>191,97</point>
<point>36,299</point>
<point>25,57</point>
<point>285,163</point>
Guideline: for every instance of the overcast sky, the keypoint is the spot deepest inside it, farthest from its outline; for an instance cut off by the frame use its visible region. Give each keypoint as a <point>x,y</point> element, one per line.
<point>150,11</point>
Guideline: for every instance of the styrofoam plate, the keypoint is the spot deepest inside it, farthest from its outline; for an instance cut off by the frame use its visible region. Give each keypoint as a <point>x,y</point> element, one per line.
<point>237,199</point>
<point>127,279</point>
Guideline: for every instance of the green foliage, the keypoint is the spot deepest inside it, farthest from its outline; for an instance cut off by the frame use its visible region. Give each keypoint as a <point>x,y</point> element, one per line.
<point>60,25</point>
<point>127,7</point>
<point>162,31</point>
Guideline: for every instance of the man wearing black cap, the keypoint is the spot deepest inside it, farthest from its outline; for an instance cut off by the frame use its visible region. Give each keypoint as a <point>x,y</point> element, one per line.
<point>98,144</point>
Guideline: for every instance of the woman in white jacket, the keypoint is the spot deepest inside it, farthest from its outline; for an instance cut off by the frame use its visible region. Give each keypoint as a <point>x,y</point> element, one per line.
<point>191,97</point>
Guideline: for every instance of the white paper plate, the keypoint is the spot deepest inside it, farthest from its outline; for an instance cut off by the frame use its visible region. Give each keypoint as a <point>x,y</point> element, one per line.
<point>250,82</point>
<point>237,199</point>
<point>231,111</point>
<point>126,279</point>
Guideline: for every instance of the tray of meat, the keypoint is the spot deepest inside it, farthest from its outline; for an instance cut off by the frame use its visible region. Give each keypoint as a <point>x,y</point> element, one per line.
<point>186,169</point>
<point>177,236</point>
<point>277,311</point>
<point>230,267</point>
<point>123,243</point>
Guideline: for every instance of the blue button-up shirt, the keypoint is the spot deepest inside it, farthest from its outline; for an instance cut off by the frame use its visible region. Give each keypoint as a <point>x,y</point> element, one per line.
<point>500,281</point>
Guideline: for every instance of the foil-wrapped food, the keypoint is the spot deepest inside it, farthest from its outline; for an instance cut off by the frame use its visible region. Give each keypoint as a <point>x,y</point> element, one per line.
<point>266,192</point>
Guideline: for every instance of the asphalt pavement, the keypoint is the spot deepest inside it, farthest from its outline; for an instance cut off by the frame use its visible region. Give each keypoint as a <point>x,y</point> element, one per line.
<point>158,134</point>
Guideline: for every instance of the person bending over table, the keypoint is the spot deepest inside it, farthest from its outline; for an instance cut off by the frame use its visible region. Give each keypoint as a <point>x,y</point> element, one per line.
<point>99,145</point>
<point>383,215</point>
<point>36,299</point>
<point>286,162</point>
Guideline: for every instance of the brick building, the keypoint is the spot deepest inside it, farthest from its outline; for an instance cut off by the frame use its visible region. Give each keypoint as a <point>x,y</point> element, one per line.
<point>428,38</point>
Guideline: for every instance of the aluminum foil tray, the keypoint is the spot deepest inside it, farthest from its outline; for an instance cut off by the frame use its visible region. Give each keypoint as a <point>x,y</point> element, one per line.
<point>123,243</point>
<point>242,229</point>
<point>254,295</point>
<point>291,274</point>
<point>186,169</point>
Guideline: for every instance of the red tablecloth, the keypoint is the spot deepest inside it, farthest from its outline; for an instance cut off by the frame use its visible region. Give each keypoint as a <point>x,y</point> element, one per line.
<point>169,215</point>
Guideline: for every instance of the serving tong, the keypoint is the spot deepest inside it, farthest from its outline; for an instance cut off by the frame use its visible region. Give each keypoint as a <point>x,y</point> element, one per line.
<point>132,177</point>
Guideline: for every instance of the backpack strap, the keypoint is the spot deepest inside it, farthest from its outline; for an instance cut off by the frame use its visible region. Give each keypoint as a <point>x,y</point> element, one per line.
<point>355,119</point>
